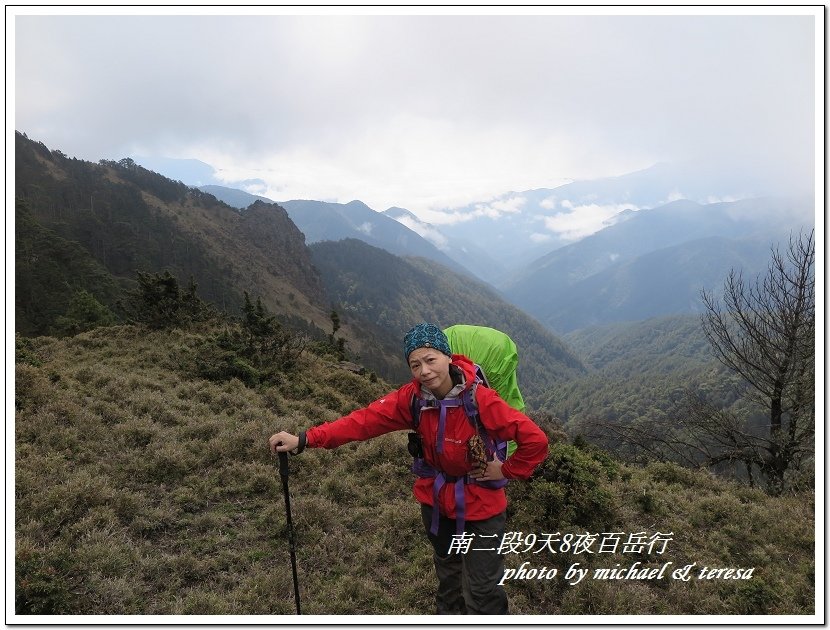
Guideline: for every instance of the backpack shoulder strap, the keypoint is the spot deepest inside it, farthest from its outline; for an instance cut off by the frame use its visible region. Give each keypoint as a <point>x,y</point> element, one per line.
<point>468,399</point>
<point>415,410</point>
<point>480,376</point>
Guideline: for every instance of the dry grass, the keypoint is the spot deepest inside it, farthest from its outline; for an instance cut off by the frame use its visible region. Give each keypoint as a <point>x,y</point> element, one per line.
<point>141,490</point>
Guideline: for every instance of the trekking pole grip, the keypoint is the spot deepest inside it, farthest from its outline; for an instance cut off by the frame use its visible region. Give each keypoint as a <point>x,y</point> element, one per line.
<point>283,463</point>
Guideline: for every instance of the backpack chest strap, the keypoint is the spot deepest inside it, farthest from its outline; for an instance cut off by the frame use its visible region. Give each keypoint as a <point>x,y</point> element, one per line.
<point>442,406</point>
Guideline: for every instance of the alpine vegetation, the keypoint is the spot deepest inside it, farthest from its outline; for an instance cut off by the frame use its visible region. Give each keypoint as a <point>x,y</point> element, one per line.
<point>143,488</point>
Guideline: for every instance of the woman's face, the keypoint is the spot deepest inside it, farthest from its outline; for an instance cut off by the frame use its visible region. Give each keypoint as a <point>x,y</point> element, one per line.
<point>432,370</point>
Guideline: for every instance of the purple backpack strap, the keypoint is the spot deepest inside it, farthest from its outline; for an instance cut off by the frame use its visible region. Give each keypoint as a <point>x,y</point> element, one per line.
<point>460,509</point>
<point>443,405</point>
<point>469,401</point>
<point>436,489</point>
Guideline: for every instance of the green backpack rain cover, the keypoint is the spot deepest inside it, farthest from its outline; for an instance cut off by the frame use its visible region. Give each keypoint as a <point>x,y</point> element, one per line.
<point>495,353</point>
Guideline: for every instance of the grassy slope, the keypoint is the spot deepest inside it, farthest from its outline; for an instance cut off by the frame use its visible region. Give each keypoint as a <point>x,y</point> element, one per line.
<point>142,490</point>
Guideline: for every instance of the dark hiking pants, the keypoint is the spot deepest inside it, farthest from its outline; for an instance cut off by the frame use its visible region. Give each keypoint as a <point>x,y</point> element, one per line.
<point>468,583</point>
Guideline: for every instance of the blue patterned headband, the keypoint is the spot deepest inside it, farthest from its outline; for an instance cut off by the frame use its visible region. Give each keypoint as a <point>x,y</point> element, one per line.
<point>425,336</point>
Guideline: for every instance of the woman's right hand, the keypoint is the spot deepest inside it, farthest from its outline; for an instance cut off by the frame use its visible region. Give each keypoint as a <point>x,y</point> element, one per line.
<point>283,441</point>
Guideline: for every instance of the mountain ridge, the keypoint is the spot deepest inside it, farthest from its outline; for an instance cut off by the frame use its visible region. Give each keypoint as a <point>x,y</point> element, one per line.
<point>566,273</point>
<point>526,225</point>
<point>124,219</point>
<point>394,292</point>
<point>323,221</point>
<point>130,219</point>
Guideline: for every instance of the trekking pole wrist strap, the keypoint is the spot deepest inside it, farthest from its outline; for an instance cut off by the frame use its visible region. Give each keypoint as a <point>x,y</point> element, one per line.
<point>301,445</point>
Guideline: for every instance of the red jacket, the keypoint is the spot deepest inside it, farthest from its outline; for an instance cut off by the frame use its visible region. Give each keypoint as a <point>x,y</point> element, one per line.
<point>502,422</point>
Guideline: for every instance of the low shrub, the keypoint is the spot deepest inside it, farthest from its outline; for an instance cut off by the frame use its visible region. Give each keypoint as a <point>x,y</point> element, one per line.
<point>31,386</point>
<point>44,580</point>
<point>566,490</point>
<point>24,351</point>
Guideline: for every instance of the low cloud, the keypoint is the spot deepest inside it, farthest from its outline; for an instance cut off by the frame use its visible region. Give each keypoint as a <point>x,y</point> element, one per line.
<point>584,220</point>
<point>366,228</point>
<point>537,237</point>
<point>548,203</point>
<point>492,209</point>
<point>726,198</point>
<point>496,209</point>
<point>426,231</point>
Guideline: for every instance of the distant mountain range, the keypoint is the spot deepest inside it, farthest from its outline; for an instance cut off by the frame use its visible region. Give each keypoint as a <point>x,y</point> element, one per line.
<point>234,197</point>
<point>588,252</point>
<point>488,266</point>
<point>655,262</point>
<point>321,221</point>
<point>663,282</point>
<point>325,221</point>
<point>84,226</point>
<point>519,227</point>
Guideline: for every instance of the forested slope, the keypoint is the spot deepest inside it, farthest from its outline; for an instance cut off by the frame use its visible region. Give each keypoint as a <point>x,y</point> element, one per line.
<point>397,293</point>
<point>128,219</point>
<point>638,371</point>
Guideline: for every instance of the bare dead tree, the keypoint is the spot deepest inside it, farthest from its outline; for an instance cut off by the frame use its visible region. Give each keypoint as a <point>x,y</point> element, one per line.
<point>765,332</point>
<point>696,435</point>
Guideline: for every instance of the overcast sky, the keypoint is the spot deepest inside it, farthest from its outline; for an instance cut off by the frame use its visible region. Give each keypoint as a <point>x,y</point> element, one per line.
<point>421,112</point>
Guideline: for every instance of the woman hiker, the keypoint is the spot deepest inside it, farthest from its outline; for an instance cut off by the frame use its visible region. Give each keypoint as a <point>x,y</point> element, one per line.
<point>460,489</point>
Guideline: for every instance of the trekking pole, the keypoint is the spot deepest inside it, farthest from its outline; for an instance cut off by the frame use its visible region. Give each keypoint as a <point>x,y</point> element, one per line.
<point>284,474</point>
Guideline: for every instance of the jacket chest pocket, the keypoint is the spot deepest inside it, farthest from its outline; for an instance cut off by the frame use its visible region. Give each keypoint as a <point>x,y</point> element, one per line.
<point>454,459</point>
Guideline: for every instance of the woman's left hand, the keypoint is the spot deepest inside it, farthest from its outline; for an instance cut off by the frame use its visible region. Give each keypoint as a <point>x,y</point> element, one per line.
<point>492,472</point>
